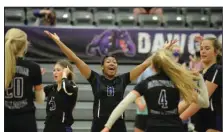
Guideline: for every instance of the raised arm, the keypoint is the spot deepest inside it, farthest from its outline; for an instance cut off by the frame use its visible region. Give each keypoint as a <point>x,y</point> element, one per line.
<point>198,38</point>
<point>135,72</point>
<point>69,87</point>
<point>81,65</point>
<point>40,13</point>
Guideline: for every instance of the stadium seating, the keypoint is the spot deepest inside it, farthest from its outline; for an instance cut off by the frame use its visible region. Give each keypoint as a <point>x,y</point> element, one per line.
<point>103,18</point>
<point>15,16</point>
<point>149,21</point>
<point>174,20</point>
<point>198,21</point>
<point>125,19</point>
<point>174,17</point>
<point>216,20</point>
<point>81,18</point>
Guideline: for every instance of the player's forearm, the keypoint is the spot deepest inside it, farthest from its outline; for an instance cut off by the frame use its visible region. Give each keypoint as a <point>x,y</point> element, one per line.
<point>120,109</point>
<point>40,96</point>
<point>68,87</point>
<point>182,106</point>
<point>190,111</point>
<point>203,98</point>
<point>140,103</point>
<point>81,65</point>
<point>69,53</point>
<point>138,70</point>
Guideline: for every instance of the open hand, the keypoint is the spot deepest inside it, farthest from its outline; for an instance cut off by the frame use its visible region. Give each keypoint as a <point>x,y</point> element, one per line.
<point>43,71</point>
<point>198,38</point>
<point>167,44</point>
<point>53,36</point>
<point>66,71</point>
<point>195,72</point>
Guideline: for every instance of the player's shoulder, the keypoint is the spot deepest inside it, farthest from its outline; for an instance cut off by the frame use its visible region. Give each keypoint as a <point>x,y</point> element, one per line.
<point>215,67</point>
<point>30,64</point>
<point>123,75</point>
<point>155,76</point>
<point>219,67</point>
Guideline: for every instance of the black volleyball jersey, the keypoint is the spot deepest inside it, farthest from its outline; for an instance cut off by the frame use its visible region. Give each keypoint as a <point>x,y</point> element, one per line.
<point>19,96</point>
<point>59,104</point>
<point>214,75</point>
<point>162,98</point>
<point>107,93</point>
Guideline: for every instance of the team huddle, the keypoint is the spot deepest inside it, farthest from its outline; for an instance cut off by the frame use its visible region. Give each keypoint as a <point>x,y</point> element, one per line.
<point>167,92</point>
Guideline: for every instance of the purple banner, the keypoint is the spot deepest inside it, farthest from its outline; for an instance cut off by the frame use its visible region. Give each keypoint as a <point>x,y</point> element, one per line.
<point>131,46</point>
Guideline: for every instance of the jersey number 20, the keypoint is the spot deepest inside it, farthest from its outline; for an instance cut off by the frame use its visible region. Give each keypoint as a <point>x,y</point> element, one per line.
<point>162,99</point>
<point>15,89</point>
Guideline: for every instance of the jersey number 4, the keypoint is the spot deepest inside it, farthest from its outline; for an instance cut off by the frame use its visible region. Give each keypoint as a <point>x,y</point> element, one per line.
<point>15,89</point>
<point>162,99</point>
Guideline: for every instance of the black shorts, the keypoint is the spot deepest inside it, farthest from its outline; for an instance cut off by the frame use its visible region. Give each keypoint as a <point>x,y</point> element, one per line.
<point>20,123</point>
<point>206,119</point>
<point>219,123</point>
<point>165,129</point>
<point>141,122</point>
<point>57,127</point>
<point>99,123</point>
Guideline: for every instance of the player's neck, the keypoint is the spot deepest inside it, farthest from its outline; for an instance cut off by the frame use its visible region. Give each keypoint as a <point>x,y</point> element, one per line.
<point>208,65</point>
<point>109,78</point>
<point>58,86</point>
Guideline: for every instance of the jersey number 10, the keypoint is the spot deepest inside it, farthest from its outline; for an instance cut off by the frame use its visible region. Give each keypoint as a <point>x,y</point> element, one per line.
<point>15,89</point>
<point>162,99</point>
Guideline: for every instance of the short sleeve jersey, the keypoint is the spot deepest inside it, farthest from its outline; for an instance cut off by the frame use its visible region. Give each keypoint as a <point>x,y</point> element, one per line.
<point>214,75</point>
<point>107,93</point>
<point>162,98</point>
<point>59,104</point>
<point>19,96</point>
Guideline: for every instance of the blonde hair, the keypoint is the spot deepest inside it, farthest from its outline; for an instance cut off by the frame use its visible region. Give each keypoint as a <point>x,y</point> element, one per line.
<point>182,78</point>
<point>15,43</point>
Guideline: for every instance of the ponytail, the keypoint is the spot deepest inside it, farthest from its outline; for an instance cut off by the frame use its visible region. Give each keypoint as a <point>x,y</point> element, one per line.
<point>182,78</point>
<point>10,63</point>
<point>15,43</point>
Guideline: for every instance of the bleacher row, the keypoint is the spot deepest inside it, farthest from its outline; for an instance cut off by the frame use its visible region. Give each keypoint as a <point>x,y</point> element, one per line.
<point>123,17</point>
<point>83,111</point>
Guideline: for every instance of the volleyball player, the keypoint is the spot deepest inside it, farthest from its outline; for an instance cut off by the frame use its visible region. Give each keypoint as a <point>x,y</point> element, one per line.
<point>162,93</point>
<point>61,99</point>
<point>209,119</point>
<point>141,111</point>
<point>21,76</point>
